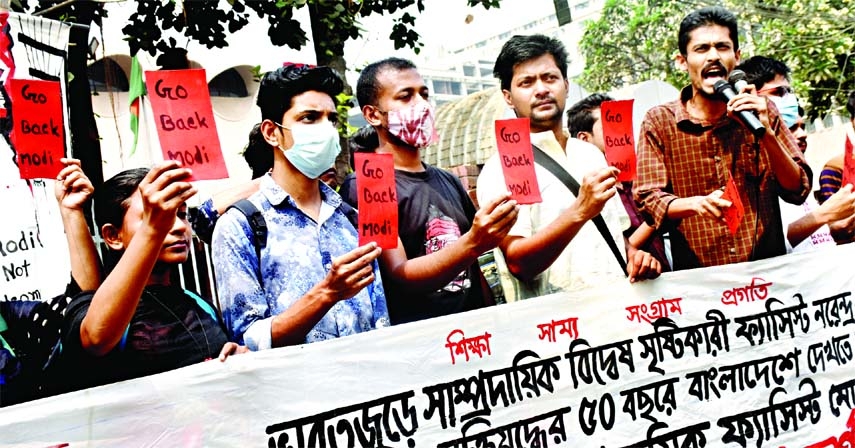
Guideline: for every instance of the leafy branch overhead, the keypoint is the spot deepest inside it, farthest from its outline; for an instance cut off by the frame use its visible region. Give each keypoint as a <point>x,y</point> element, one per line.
<point>636,40</point>
<point>211,22</point>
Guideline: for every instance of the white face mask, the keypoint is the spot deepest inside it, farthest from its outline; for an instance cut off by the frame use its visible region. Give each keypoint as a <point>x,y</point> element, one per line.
<point>315,148</point>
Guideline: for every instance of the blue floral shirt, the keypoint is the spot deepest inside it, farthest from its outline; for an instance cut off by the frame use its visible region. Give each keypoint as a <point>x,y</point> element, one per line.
<point>297,256</point>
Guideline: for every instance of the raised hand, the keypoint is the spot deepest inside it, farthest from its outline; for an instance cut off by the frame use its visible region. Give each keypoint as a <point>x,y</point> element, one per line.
<point>163,191</point>
<point>350,273</point>
<point>72,188</point>
<point>596,189</point>
<point>493,222</point>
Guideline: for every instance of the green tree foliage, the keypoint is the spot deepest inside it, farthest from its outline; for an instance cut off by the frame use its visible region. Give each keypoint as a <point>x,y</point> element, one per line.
<point>636,40</point>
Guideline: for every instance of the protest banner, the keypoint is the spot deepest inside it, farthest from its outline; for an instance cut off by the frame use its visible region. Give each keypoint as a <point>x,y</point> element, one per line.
<point>33,250</point>
<point>185,121</point>
<point>517,160</point>
<point>38,133</point>
<point>616,118</point>
<point>753,354</point>
<point>378,199</point>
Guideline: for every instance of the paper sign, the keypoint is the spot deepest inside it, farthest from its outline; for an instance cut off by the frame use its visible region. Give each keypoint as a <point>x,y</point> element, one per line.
<point>185,121</point>
<point>733,214</point>
<point>848,164</point>
<point>38,133</point>
<point>378,199</point>
<point>517,160</point>
<point>616,118</point>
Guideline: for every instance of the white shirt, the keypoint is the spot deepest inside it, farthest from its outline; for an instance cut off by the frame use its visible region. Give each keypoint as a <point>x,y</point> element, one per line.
<point>790,213</point>
<point>587,260</point>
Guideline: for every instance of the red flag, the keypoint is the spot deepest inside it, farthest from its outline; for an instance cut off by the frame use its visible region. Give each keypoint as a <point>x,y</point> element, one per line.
<point>848,164</point>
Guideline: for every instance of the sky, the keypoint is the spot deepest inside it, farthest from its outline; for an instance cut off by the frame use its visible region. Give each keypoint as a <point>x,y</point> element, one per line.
<point>442,25</point>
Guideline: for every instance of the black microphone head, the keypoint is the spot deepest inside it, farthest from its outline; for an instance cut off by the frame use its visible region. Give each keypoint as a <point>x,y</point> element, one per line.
<point>721,85</point>
<point>736,76</point>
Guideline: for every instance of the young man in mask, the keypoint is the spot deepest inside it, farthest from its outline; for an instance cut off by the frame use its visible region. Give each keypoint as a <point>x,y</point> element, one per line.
<point>807,224</point>
<point>433,271</point>
<point>312,282</point>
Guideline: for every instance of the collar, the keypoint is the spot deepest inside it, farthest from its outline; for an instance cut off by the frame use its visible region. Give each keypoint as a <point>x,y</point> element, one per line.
<point>277,196</point>
<point>547,142</point>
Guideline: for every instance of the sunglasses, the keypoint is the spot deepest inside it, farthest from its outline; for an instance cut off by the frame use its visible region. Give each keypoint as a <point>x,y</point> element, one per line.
<point>777,90</point>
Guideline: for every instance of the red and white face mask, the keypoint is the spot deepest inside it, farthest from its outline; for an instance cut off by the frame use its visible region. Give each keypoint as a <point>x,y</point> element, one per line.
<point>414,125</point>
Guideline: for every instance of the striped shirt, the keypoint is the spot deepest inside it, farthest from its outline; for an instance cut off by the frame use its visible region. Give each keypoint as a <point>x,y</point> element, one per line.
<point>830,180</point>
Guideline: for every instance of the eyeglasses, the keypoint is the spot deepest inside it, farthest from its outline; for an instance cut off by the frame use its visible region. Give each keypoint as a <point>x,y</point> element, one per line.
<point>777,90</point>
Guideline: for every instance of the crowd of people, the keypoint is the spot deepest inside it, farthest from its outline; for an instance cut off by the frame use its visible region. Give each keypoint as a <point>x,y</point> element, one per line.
<point>284,246</point>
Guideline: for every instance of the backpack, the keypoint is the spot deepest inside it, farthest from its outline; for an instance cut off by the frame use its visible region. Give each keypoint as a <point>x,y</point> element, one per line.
<point>30,341</point>
<point>258,226</point>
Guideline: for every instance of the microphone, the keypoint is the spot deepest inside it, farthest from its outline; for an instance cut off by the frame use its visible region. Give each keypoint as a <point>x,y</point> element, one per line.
<point>747,117</point>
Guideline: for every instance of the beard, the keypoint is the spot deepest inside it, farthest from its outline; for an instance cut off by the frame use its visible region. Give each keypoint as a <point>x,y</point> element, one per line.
<point>546,119</point>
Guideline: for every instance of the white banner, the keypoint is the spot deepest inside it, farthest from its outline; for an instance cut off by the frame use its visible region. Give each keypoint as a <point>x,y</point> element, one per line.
<point>33,251</point>
<point>755,354</point>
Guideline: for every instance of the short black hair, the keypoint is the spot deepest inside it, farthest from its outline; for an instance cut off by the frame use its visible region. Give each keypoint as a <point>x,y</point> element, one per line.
<point>710,15</point>
<point>258,153</point>
<point>367,89</point>
<point>850,105</point>
<point>279,87</point>
<point>760,70</point>
<point>580,117</point>
<point>519,49</point>
<point>363,140</point>
<point>112,198</point>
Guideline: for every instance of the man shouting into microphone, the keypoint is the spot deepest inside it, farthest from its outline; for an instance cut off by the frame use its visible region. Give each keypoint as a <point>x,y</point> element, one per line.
<point>690,148</point>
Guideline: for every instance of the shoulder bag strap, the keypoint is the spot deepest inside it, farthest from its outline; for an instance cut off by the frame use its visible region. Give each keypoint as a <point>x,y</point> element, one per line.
<point>542,159</point>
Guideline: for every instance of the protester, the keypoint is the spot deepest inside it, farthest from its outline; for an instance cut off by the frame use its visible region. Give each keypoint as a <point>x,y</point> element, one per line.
<point>328,177</point>
<point>257,153</point>
<point>311,281</point>
<point>363,140</point>
<point>806,223</point>
<point>433,271</point>
<point>137,323</point>
<point>831,179</point>
<point>551,248</point>
<point>691,147</point>
<point>583,123</point>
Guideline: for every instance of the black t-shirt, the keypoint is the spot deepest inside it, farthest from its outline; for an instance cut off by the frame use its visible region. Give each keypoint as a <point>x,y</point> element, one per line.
<point>433,211</point>
<point>168,330</point>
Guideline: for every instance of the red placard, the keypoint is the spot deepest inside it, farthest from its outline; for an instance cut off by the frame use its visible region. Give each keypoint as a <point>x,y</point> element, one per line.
<point>848,164</point>
<point>38,133</point>
<point>517,160</point>
<point>185,121</point>
<point>378,199</point>
<point>733,214</point>
<point>616,118</point>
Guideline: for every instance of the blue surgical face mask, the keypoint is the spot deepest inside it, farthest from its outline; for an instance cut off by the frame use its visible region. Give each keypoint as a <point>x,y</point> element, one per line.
<point>315,148</point>
<point>788,107</point>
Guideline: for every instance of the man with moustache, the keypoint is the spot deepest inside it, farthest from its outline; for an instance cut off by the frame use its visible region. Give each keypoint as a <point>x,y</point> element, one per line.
<point>691,147</point>
<point>554,246</point>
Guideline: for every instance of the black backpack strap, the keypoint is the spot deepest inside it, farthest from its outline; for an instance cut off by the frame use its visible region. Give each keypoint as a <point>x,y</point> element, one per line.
<point>542,159</point>
<point>350,213</point>
<point>258,226</point>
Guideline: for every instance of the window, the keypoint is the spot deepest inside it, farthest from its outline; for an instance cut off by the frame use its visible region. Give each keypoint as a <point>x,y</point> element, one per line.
<point>105,75</point>
<point>468,70</point>
<point>228,84</point>
<point>446,87</point>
